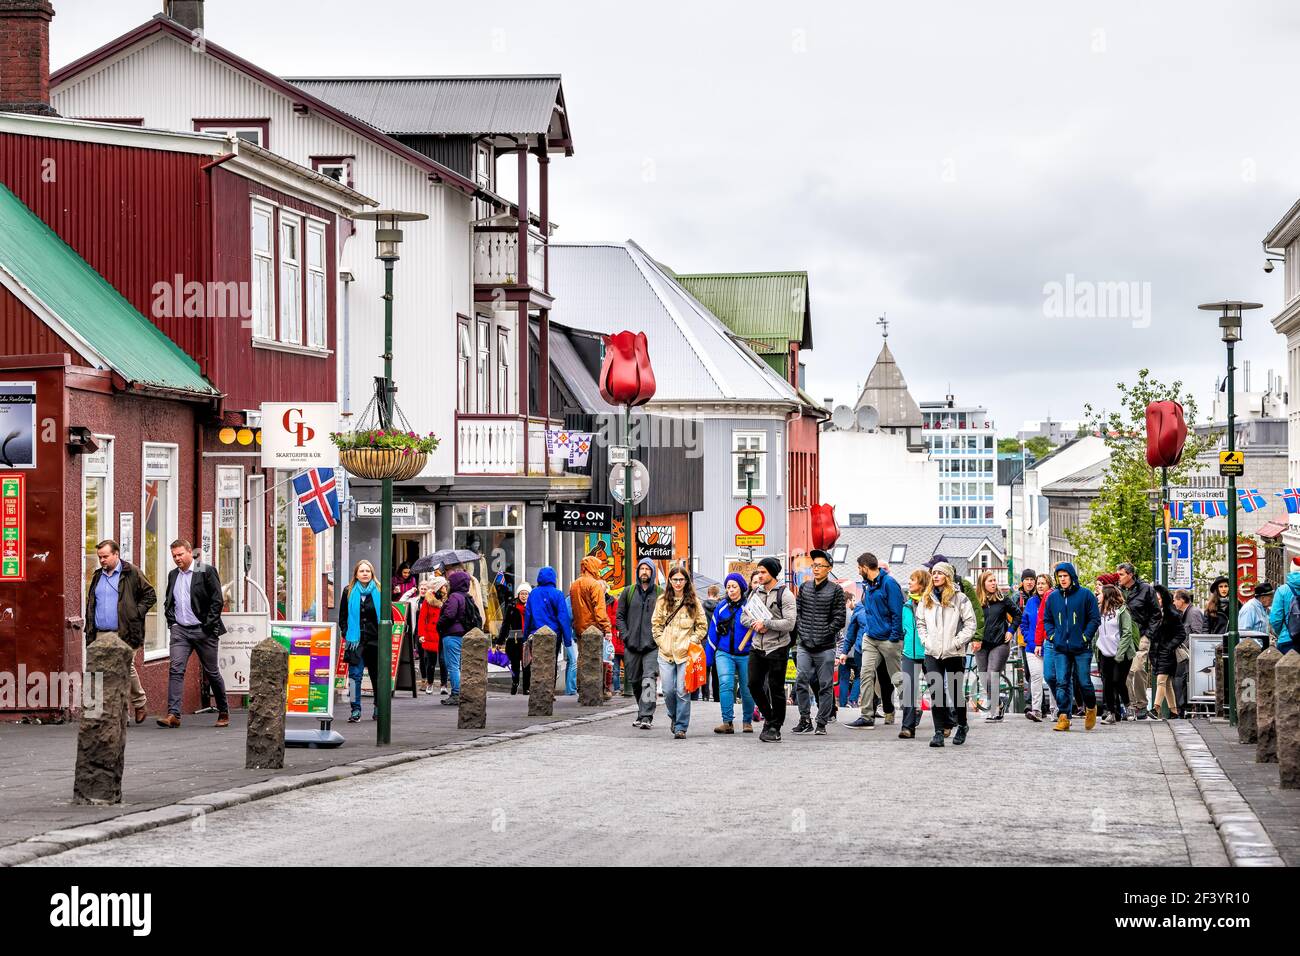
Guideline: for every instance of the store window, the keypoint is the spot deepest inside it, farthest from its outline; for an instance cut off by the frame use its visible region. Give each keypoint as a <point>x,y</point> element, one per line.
<point>96,505</point>
<point>158,507</point>
<point>229,546</point>
<point>495,531</point>
<point>303,561</point>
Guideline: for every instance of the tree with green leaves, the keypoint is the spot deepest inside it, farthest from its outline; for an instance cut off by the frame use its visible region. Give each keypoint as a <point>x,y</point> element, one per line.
<point>1120,525</point>
<point>1008,446</point>
<point>1040,446</point>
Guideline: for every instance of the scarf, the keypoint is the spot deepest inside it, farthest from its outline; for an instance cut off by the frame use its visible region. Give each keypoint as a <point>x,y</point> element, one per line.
<point>354,607</point>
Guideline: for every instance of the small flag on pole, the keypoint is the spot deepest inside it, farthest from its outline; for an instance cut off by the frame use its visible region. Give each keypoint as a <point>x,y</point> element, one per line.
<point>318,497</point>
<point>1177,510</point>
<point>1291,497</point>
<point>1250,498</point>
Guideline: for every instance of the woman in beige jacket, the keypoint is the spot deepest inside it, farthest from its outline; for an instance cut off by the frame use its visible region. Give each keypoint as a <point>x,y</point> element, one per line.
<point>678,622</point>
<point>945,623</point>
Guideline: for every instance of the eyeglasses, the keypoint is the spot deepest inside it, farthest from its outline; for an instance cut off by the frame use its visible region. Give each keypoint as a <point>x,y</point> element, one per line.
<point>821,566</point>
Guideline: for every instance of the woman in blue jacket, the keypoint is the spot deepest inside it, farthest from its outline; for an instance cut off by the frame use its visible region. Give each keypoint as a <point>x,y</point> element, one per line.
<point>729,643</point>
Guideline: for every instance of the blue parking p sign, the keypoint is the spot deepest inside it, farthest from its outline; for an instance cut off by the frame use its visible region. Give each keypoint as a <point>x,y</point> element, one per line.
<point>1179,555</point>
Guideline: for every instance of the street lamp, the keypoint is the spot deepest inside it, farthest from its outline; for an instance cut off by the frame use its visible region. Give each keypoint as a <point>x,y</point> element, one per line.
<point>1230,322</point>
<point>388,237</point>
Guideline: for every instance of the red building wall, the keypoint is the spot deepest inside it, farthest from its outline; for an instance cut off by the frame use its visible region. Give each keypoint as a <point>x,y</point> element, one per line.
<point>802,436</point>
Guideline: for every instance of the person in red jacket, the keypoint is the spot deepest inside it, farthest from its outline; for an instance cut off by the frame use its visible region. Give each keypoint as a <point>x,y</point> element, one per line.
<point>426,629</point>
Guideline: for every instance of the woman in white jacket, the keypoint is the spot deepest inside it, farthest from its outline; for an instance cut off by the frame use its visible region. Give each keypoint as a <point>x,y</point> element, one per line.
<point>945,623</point>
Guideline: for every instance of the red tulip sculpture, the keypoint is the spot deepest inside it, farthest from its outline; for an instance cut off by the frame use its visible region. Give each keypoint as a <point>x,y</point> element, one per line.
<point>825,532</point>
<point>1166,434</point>
<point>626,377</point>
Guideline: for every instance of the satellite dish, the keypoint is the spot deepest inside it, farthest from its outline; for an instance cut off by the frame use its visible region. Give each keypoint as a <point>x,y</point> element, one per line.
<point>868,418</point>
<point>842,417</point>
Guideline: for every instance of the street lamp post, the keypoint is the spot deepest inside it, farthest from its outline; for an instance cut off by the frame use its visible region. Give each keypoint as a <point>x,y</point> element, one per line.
<point>388,236</point>
<point>1230,322</point>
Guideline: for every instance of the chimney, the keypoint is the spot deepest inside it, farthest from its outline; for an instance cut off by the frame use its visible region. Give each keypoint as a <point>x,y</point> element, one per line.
<point>25,56</point>
<point>188,13</point>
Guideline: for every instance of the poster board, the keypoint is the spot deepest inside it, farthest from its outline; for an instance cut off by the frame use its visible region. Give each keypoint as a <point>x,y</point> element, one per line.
<point>312,649</point>
<point>1200,666</point>
<point>243,633</point>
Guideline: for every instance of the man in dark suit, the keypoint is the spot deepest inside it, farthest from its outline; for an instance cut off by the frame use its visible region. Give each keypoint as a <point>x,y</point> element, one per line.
<point>116,602</point>
<point>193,607</point>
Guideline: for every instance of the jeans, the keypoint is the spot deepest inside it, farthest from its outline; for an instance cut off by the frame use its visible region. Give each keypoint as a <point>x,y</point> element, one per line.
<point>1034,677</point>
<point>991,662</point>
<point>947,691</point>
<point>617,675</point>
<point>816,673</point>
<point>1072,668</point>
<point>767,684</point>
<point>449,650</point>
<point>729,667</point>
<point>1049,670</point>
<point>911,671</point>
<point>642,666</point>
<point>570,668</point>
<point>369,661</point>
<point>875,653</point>
<point>850,679</point>
<point>191,640</point>
<point>676,701</point>
<point>1139,683</point>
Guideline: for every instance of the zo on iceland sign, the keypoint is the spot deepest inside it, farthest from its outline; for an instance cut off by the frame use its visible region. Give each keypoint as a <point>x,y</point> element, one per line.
<point>296,435</point>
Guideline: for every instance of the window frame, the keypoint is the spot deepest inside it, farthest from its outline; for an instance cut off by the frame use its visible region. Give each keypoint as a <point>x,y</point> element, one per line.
<point>236,125</point>
<point>483,363</point>
<point>464,366</point>
<point>284,220</point>
<point>760,474</point>
<point>314,229</point>
<point>263,326</point>
<point>172,519</point>
<point>108,514</point>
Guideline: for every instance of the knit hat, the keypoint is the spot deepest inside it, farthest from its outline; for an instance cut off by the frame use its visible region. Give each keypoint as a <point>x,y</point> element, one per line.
<point>438,583</point>
<point>739,579</point>
<point>938,558</point>
<point>943,567</point>
<point>1028,575</point>
<point>771,565</point>
<point>1112,579</point>
<point>524,589</point>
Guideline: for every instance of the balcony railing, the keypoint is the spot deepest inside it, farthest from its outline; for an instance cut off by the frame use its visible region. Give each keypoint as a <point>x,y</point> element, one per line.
<point>489,445</point>
<point>496,256</point>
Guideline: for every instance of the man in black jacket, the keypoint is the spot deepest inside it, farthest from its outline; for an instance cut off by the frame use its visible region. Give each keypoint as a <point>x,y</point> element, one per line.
<point>819,621</point>
<point>1144,607</point>
<point>116,602</point>
<point>193,608</point>
<point>636,608</point>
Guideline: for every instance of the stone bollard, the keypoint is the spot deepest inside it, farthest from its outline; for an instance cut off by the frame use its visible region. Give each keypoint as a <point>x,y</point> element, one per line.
<point>268,685</point>
<point>541,693</point>
<point>1219,705</point>
<point>101,737</point>
<point>472,713</point>
<point>1244,675</point>
<point>1265,706</point>
<point>1286,708</point>
<point>591,667</point>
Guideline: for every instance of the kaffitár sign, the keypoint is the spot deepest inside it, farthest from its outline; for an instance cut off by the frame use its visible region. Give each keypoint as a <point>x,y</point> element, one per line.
<point>655,541</point>
<point>296,435</point>
<point>17,424</point>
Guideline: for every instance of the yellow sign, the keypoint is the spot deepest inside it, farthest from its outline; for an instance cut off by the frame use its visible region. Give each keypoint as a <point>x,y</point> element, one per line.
<point>1232,464</point>
<point>750,520</point>
<point>751,540</point>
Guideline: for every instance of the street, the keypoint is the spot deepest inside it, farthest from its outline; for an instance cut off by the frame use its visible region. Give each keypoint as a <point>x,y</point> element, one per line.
<point>1016,794</point>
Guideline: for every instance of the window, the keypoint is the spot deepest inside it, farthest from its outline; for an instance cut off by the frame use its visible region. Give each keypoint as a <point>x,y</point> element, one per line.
<point>754,443</point>
<point>96,505</point>
<point>484,178</point>
<point>316,285</point>
<point>300,559</point>
<point>250,131</point>
<point>857,520</point>
<point>464,364</point>
<point>505,390</point>
<point>158,507</point>
<point>263,272</point>
<point>897,554</point>
<point>228,557</point>
<point>290,279</point>
<point>483,369</point>
<point>337,168</point>
<point>496,531</point>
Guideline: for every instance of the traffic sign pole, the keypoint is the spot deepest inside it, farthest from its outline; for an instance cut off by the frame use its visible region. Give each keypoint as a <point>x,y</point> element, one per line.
<point>628,539</point>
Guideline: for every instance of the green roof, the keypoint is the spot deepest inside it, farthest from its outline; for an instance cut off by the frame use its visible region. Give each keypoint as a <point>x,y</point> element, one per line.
<point>767,307</point>
<point>86,310</point>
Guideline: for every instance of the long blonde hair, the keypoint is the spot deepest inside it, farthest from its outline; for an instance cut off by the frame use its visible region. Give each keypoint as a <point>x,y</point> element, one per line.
<point>946,595</point>
<point>983,592</point>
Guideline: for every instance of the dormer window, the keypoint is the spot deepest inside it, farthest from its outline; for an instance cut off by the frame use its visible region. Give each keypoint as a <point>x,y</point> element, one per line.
<point>250,131</point>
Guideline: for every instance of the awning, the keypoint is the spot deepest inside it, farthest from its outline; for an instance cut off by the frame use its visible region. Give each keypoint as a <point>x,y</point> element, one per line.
<point>1272,529</point>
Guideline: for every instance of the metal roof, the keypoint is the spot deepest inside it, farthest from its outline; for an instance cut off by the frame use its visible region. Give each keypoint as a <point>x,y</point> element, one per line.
<point>886,391</point>
<point>84,309</point>
<point>612,286</point>
<point>767,307</point>
<point>1085,482</point>
<point>570,367</point>
<point>955,542</point>
<point>447,105</point>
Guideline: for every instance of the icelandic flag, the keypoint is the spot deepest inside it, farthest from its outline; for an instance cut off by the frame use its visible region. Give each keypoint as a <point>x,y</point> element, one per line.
<point>318,497</point>
<point>1251,499</point>
<point>1292,498</point>
<point>1177,510</point>
<point>1211,509</point>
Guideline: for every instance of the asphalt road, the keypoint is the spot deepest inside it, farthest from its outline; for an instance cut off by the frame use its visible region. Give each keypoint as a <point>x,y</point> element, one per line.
<point>1016,793</point>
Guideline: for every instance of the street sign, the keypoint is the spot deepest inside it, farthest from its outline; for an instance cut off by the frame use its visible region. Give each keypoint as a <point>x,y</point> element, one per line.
<point>581,517</point>
<point>375,509</point>
<point>1232,464</point>
<point>640,482</point>
<point>655,542</point>
<point>749,521</point>
<point>1180,567</point>
<point>751,540</point>
<point>619,454</point>
<point>1198,494</point>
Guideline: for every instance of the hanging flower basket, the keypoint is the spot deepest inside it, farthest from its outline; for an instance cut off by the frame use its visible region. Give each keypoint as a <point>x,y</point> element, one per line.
<point>380,463</point>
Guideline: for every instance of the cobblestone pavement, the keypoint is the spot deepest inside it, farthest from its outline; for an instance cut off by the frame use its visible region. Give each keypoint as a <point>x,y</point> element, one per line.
<point>604,793</point>
<point>1277,809</point>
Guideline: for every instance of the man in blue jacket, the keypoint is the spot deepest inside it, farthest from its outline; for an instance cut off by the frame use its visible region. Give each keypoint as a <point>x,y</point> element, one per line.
<point>1280,611</point>
<point>1070,620</point>
<point>547,607</point>
<point>876,632</point>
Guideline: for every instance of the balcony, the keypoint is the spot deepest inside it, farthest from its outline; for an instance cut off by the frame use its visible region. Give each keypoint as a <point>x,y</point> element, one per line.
<point>496,256</point>
<point>489,445</point>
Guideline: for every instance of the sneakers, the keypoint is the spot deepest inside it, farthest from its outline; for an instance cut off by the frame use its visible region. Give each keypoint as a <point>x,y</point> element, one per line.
<point>820,731</point>
<point>1090,718</point>
<point>644,723</point>
<point>748,728</point>
<point>804,726</point>
<point>726,727</point>
<point>354,717</point>
<point>961,736</point>
<point>1062,721</point>
<point>444,690</point>
<point>1111,719</point>
<point>770,735</point>
<point>1033,715</point>
<point>451,700</point>
<point>906,734</point>
<point>889,717</point>
<point>862,722</point>
<point>937,740</point>
<point>1142,714</point>
<point>679,735</point>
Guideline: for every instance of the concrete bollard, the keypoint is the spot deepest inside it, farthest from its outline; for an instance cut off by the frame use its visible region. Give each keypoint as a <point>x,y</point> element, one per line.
<point>1266,706</point>
<point>472,713</point>
<point>1244,675</point>
<point>541,693</point>
<point>101,737</point>
<point>591,667</point>
<point>268,684</point>
<point>1286,704</point>
<point>1220,708</point>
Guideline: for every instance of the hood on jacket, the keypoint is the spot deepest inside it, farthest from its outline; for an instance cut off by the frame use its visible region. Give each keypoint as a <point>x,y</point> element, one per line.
<point>646,563</point>
<point>1293,581</point>
<point>546,577</point>
<point>1068,568</point>
<point>592,565</point>
<point>458,581</point>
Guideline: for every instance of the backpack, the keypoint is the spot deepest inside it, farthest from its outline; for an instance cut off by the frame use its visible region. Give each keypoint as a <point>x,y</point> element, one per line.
<point>471,617</point>
<point>1293,615</point>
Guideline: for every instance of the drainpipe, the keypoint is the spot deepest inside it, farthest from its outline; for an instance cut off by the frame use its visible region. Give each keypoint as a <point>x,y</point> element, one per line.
<point>345,516</point>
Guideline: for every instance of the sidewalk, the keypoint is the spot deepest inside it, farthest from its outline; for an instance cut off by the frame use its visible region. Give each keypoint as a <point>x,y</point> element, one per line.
<point>166,766</point>
<point>1278,810</point>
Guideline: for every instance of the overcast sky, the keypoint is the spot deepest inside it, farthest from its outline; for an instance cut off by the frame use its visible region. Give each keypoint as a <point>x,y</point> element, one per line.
<point>941,162</point>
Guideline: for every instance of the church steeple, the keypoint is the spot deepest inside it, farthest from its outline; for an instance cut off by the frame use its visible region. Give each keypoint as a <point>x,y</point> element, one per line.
<point>886,392</point>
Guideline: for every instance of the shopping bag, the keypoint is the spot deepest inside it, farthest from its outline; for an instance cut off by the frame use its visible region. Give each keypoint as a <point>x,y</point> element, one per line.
<point>697,668</point>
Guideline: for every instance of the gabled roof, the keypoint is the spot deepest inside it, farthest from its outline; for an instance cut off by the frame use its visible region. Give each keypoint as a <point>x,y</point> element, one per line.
<point>770,308</point>
<point>958,543</point>
<point>525,106</point>
<point>1085,482</point>
<point>162,25</point>
<point>611,286</point>
<point>887,393</point>
<point>79,304</point>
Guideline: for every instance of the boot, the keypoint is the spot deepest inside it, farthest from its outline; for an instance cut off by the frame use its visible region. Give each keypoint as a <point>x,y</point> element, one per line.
<point>937,739</point>
<point>1063,721</point>
<point>960,739</point>
<point>726,727</point>
<point>1090,718</point>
